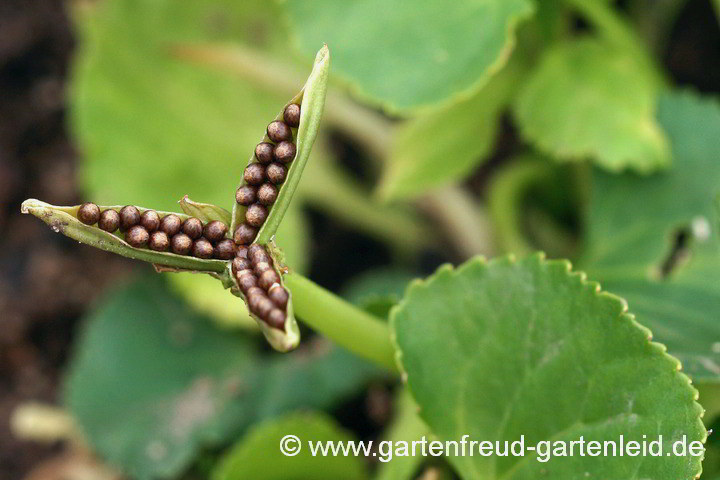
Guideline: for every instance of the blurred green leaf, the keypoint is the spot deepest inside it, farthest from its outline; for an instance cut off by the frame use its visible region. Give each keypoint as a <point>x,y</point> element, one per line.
<point>258,456</point>
<point>406,56</point>
<point>443,146</point>
<point>531,348</point>
<point>154,129</point>
<point>633,225</point>
<point>151,382</point>
<point>377,291</point>
<point>588,99</point>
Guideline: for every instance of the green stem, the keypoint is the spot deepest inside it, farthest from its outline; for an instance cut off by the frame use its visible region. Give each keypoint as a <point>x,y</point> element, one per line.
<point>342,322</point>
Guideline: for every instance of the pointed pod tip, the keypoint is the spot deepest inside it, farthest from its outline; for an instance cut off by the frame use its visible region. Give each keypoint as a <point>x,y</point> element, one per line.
<point>323,55</point>
<point>30,204</point>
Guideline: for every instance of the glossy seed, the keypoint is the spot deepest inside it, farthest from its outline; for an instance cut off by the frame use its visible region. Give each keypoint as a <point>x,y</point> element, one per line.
<point>193,228</point>
<point>254,292</point>
<point>256,215</point>
<point>245,195</point>
<point>137,236</point>
<point>279,131</point>
<point>159,241</point>
<point>255,299</point>
<point>257,253</point>
<point>225,249</point>
<point>267,194</point>
<point>285,152</point>
<point>262,267</point>
<point>254,174</point>
<point>279,296</point>
<point>241,251</point>
<point>263,307</point>
<point>88,213</point>
<point>276,173</point>
<point>150,220</point>
<point>129,217</point>
<point>181,244</point>
<point>202,248</point>
<point>109,220</point>
<point>239,264</point>
<point>276,318</point>
<point>171,224</point>
<point>268,278</point>
<point>215,231</point>
<point>264,152</point>
<point>244,234</point>
<point>291,115</point>
<point>246,281</point>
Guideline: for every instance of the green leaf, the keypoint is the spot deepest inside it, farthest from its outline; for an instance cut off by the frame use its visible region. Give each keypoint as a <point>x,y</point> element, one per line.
<point>258,455</point>
<point>377,291</point>
<point>151,382</point>
<point>507,348</point>
<point>588,99</point>
<point>443,146</point>
<point>407,56</point>
<point>631,229</point>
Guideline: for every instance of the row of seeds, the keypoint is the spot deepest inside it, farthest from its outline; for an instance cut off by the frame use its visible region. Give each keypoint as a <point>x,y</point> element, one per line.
<point>169,233</point>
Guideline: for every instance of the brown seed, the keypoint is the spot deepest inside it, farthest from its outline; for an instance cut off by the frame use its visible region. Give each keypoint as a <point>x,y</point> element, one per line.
<point>109,220</point>
<point>240,264</point>
<point>263,307</point>
<point>244,234</point>
<point>257,253</point>
<point>150,220</point>
<point>254,174</point>
<point>171,224</point>
<point>225,249</point>
<point>279,296</point>
<point>159,241</point>
<point>254,292</point>
<point>88,213</point>
<point>241,251</point>
<point>129,217</point>
<point>246,281</point>
<point>255,296</point>
<point>268,278</point>
<point>279,131</point>
<point>262,267</point>
<point>181,244</point>
<point>256,215</point>
<point>291,115</point>
<point>137,236</point>
<point>193,228</point>
<point>276,173</point>
<point>276,318</point>
<point>267,194</point>
<point>285,152</point>
<point>215,231</point>
<point>245,195</point>
<point>264,152</point>
<point>202,248</point>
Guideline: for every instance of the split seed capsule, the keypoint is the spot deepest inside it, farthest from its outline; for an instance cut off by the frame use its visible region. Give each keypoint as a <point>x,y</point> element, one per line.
<point>88,213</point>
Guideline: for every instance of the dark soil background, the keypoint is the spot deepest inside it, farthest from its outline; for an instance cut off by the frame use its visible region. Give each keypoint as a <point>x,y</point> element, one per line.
<point>48,281</point>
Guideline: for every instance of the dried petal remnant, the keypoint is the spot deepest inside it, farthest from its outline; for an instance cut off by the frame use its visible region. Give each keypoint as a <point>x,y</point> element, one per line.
<point>88,213</point>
